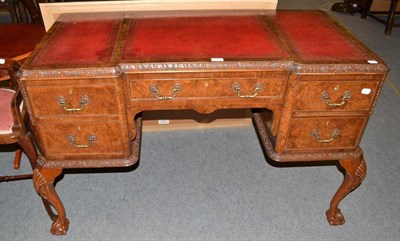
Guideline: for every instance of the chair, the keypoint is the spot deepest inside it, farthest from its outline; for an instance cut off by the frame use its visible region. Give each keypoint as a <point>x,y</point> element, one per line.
<point>390,19</point>
<point>17,41</point>
<point>13,119</point>
<point>388,22</point>
<point>9,7</point>
<point>19,9</point>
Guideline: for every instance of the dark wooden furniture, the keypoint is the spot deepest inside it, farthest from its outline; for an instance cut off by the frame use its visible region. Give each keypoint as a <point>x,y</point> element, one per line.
<point>21,11</point>
<point>19,38</point>
<point>8,7</point>
<point>93,74</point>
<point>347,6</point>
<point>389,23</point>
<point>367,11</point>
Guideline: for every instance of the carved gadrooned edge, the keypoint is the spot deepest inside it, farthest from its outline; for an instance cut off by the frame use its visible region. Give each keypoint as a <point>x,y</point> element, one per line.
<point>207,65</point>
<point>297,157</point>
<point>186,66</point>
<point>340,68</point>
<point>99,163</point>
<point>70,72</point>
<point>92,163</point>
<point>115,71</point>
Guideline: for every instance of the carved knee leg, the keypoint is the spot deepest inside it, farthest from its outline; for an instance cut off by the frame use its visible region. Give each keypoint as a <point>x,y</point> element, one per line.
<point>355,174</point>
<point>43,182</point>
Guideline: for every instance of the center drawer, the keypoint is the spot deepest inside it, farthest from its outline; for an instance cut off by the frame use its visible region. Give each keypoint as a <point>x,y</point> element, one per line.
<point>270,87</point>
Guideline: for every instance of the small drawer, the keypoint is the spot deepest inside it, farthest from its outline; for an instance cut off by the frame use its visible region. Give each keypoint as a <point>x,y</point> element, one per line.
<point>325,133</point>
<point>73,100</point>
<point>87,139</point>
<point>335,96</point>
<point>168,89</point>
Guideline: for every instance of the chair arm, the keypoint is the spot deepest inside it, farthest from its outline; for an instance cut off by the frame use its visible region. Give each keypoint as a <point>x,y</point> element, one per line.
<point>12,66</point>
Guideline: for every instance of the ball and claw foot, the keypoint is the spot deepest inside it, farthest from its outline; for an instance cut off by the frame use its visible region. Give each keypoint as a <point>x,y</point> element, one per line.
<point>59,227</point>
<point>335,218</point>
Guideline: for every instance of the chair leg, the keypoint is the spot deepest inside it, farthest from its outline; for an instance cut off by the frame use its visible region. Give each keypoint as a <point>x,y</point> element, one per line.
<point>28,147</point>
<point>390,19</point>
<point>17,159</point>
<point>16,177</point>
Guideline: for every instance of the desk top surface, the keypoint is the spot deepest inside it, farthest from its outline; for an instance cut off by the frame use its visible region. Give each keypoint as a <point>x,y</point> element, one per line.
<point>104,39</point>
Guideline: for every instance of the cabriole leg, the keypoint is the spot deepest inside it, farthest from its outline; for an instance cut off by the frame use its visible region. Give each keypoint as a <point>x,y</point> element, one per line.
<point>29,149</point>
<point>43,179</point>
<point>356,170</point>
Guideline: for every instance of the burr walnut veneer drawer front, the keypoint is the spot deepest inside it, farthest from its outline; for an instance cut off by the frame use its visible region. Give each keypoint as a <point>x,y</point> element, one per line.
<point>71,139</point>
<point>343,95</point>
<point>268,87</point>
<point>325,133</point>
<point>73,100</point>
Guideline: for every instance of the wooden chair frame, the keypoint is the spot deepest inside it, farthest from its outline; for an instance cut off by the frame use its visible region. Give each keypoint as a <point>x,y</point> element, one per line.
<point>19,133</point>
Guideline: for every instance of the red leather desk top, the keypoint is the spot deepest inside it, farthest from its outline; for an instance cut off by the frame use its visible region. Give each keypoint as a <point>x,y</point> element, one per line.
<point>81,39</point>
<point>314,38</point>
<point>241,37</point>
<point>90,39</point>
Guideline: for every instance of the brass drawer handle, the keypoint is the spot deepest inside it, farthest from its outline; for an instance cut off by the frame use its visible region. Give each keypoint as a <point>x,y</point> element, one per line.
<point>236,88</point>
<point>325,97</point>
<point>154,90</point>
<point>84,101</point>
<point>91,139</point>
<point>334,135</point>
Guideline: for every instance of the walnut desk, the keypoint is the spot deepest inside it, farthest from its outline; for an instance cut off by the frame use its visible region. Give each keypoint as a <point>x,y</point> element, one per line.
<point>92,75</point>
